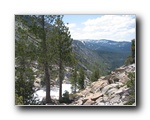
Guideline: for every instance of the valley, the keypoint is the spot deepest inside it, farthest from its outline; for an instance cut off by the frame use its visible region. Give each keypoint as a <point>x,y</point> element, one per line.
<point>104,54</point>
<point>56,65</point>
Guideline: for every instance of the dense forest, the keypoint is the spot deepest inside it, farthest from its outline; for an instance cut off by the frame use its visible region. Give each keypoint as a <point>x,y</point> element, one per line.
<point>45,50</point>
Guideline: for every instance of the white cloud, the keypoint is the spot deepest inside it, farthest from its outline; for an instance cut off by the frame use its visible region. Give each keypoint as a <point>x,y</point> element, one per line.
<point>114,27</point>
<point>72,25</point>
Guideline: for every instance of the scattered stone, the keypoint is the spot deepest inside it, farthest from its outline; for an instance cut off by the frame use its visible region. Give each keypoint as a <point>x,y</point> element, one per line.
<point>100,99</point>
<point>80,102</point>
<point>114,85</point>
<point>101,103</point>
<point>96,96</point>
<point>89,102</point>
<point>120,70</point>
<point>108,90</point>
<point>115,99</point>
<point>121,90</point>
<point>105,98</point>
<point>120,84</point>
<point>84,100</point>
<point>111,91</point>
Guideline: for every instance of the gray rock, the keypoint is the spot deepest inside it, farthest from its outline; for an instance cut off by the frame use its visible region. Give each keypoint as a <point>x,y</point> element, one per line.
<point>98,85</point>
<point>105,98</point>
<point>89,102</point>
<point>111,91</point>
<point>120,103</point>
<point>122,97</point>
<point>124,102</point>
<point>120,70</point>
<point>80,102</point>
<point>115,99</point>
<point>107,103</point>
<point>120,84</point>
<point>126,93</point>
<point>126,98</point>
<point>84,100</point>
<point>106,88</point>
<point>116,104</point>
<point>121,90</point>
<point>114,85</point>
<point>85,92</point>
<point>100,99</point>
<point>101,104</point>
<point>96,96</point>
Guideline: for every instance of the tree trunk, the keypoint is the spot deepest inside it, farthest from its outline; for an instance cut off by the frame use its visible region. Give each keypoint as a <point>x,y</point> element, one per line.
<point>60,80</point>
<point>75,86</point>
<point>23,79</point>
<point>46,66</point>
<point>47,77</point>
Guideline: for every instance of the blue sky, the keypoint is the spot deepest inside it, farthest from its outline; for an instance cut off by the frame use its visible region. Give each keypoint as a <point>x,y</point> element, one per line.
<point>112,27</point>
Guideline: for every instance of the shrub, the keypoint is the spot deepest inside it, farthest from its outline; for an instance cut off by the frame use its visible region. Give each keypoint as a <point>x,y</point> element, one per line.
<point>131,85</point>
<point>65,98</point>
<point>18,100</point>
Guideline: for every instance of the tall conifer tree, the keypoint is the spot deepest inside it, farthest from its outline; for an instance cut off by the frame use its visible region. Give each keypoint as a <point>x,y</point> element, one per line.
<point>39,31</point>
<point>64,49</point>
<point>81,79</point>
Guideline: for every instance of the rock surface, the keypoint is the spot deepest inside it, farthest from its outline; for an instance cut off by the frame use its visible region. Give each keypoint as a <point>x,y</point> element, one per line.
<point>108,90</point>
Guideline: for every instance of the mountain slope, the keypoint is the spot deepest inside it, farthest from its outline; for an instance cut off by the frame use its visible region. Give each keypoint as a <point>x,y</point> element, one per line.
<point>87,58</point>
<point>109,90</point>
<point>105,54</point>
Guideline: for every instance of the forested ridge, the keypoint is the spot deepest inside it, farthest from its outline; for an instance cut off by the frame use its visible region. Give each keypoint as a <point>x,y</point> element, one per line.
<point>46,55</point>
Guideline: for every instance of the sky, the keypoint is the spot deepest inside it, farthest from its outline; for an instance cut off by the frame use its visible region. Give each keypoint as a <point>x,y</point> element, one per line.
<point>112,27</point>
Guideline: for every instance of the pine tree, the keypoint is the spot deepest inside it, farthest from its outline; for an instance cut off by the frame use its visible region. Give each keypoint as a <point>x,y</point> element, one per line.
<point>64,49</point>
<point>133,50</point>
<point>24,75</point>
<point>81,79</point>
<point>131,58</point>
<point>39,32</point>
<point>74,80</point>
<point>95,75</point>
<point>42,28</point>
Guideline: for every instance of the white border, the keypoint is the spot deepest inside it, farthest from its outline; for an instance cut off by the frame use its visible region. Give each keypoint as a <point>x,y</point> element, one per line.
<point>9,8</point>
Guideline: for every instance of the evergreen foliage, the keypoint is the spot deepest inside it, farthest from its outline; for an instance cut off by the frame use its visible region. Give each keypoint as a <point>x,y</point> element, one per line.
<point>74,80</point>
<point>65,98</point>
<point>95,75</point>
<point>63,44</point>
<point>81,79</point>
<point>131,58</point>
<point>131,85</point>
<point>24,57</point>
<point>40,42</point>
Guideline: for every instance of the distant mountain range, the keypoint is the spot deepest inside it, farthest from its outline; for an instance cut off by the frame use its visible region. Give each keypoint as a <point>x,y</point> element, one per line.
<point>103,54</point>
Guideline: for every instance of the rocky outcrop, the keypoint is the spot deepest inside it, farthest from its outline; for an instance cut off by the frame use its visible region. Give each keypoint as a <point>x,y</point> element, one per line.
<point>108,90</point>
